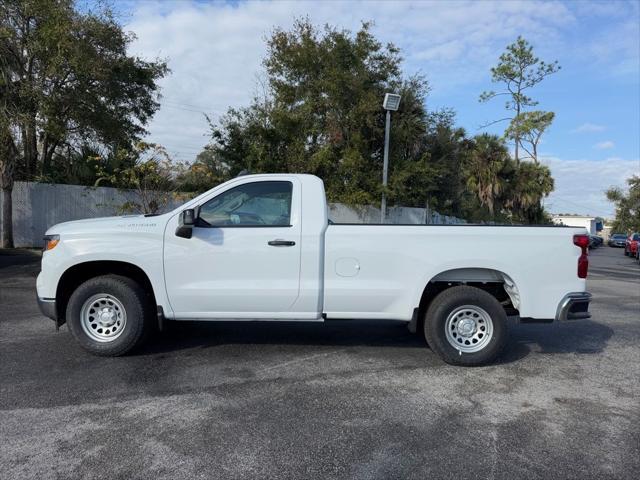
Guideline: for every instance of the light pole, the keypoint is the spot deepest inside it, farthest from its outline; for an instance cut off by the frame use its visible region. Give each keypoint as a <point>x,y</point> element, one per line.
<point>390,104</point>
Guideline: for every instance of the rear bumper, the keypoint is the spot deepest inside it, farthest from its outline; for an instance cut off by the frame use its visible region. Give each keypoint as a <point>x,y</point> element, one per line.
<point>574,306</point>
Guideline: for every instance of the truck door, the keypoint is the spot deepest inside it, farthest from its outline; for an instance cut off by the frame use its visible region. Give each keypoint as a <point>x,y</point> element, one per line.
<point>243,259</point>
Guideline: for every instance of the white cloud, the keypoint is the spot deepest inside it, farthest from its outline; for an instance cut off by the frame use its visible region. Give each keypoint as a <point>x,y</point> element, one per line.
<point>589,128</point>
<point>580,184</point>
<point>606,145</point>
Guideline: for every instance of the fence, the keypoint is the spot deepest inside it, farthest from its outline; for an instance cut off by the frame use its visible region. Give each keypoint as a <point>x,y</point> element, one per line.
<point>340,213</point>
<point>38,206</point>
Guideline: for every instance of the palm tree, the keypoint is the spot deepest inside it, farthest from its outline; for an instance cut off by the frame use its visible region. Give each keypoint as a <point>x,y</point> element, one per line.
<point>484,170</point>
<point>530,183</point>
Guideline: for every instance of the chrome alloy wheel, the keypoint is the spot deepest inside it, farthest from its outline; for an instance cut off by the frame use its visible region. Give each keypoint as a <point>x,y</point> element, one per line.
<point>469,328</point>
<point>103,317</point>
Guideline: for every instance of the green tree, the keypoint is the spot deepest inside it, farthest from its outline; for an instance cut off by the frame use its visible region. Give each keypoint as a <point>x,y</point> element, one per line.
<point>485,168</point>
<point>507,191</point>
<point>150,175</point>
<point>201,175</point>
<point>67,80</point>
<point>321,114</point>
<point>528,131</point>
<point>526,187</point>
<point>433,176</point>
<point>627,206</point>
<point>519,70</point>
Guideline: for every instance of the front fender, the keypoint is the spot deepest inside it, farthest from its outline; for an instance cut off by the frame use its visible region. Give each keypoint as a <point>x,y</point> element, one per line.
<point>141,249</point>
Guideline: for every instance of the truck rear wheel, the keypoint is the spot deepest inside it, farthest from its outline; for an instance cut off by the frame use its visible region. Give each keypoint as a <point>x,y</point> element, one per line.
<point>109,315</point>
<point>466,326</point>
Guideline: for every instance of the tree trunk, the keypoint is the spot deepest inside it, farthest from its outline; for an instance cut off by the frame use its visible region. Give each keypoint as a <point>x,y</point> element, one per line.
<point>7,218</point>
<point>45,157</point>
<point>27,158</point>
<point>7,170</point>
<point>517,135</point>
<point>31,148</point>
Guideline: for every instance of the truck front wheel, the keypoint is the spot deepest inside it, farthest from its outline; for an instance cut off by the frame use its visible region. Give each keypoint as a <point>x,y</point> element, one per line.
<point>466,326</point>
<point>108,315</point>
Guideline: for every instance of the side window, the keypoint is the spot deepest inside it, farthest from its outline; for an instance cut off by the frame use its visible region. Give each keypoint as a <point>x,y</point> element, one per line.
<point>249,205</point>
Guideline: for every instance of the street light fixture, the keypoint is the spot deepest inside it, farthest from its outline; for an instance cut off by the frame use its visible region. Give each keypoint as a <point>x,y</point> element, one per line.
<point>391,101</point>
<point>390,104</point>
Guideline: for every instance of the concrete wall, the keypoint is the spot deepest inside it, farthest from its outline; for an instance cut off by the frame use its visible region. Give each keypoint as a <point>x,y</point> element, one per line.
<point>38,206</point>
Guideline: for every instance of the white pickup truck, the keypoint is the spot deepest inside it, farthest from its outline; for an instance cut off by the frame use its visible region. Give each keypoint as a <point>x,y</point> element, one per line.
<point>261,247</point>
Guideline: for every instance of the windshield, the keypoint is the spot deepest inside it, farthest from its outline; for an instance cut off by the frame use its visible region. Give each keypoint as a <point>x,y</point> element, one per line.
<point>619,236</point>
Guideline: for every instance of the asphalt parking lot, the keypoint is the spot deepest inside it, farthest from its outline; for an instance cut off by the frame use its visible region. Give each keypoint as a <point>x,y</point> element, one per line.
<point>357,399</point>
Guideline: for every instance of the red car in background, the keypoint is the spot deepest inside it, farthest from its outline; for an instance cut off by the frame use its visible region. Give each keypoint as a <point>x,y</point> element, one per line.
<point>631,245</point>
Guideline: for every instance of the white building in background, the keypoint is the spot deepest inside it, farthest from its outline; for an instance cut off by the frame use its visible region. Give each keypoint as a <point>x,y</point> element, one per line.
<point>586,221</point>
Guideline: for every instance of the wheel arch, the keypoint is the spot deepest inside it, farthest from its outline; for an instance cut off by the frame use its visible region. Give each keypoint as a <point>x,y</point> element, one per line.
<point>496,282</point>
<point>75,275</point>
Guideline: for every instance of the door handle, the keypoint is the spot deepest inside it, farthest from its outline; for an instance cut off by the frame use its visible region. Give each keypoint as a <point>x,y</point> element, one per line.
<point>281,243</point>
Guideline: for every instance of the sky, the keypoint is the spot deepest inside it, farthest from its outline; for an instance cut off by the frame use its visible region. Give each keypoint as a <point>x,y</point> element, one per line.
<point>215,52</point>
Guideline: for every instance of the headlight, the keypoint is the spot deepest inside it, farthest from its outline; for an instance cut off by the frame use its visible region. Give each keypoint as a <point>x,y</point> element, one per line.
<point>50,242</point>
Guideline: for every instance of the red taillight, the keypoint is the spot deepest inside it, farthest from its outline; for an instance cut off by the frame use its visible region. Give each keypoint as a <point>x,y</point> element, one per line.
<point>582,241</point>
<point>583,265</point>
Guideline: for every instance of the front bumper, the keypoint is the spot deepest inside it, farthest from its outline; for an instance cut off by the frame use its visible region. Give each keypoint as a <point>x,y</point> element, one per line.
<point>48,308</point>
<point>574,306</point>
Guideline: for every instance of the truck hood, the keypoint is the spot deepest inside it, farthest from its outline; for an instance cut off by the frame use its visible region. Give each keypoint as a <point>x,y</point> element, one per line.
<point>104,223</point>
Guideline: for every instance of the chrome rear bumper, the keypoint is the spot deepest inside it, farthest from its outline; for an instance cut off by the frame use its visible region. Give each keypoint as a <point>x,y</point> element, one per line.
<point>574,306</point>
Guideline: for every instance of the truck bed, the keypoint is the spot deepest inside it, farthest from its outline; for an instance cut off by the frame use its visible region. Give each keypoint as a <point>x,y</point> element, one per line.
<point>384,268</point>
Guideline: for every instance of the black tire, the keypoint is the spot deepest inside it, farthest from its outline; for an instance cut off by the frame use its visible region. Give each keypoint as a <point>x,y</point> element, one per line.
<point>137,309</point>
<point>446,303</point>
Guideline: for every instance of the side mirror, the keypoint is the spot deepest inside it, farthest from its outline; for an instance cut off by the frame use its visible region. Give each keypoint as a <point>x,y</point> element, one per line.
<point>185,223</point>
